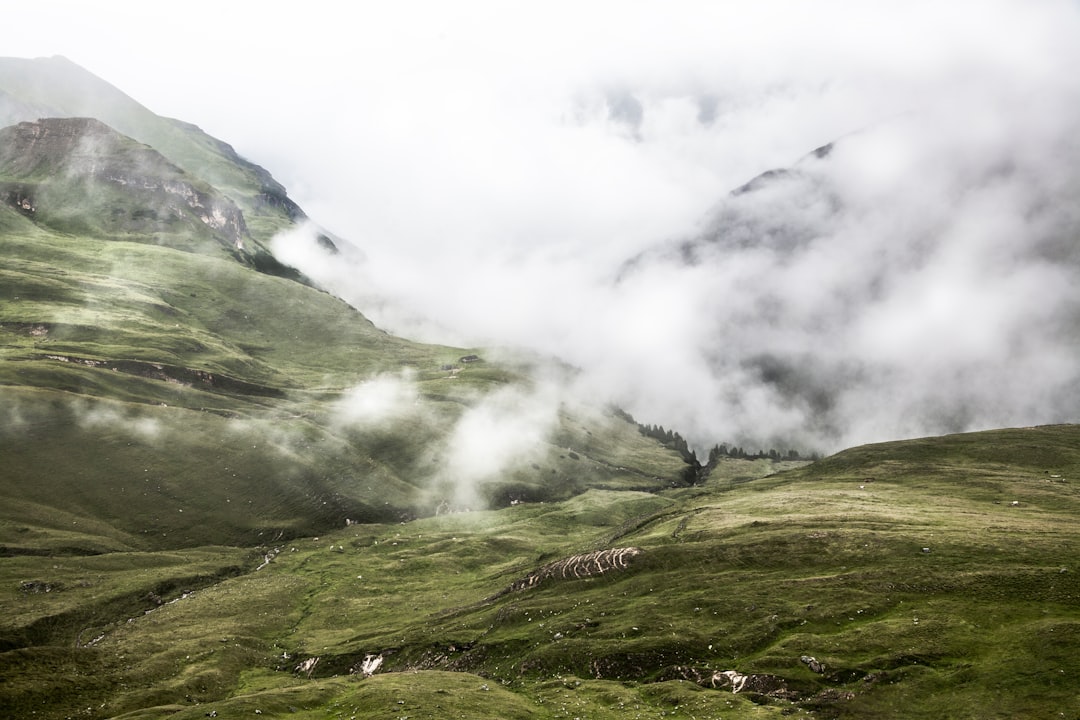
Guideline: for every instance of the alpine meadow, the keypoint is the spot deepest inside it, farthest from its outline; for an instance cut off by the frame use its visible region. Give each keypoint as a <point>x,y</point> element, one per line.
<point>226,492</point>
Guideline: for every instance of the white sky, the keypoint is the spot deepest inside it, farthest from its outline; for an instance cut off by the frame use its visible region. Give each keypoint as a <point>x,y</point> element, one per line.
<point>497,162</point>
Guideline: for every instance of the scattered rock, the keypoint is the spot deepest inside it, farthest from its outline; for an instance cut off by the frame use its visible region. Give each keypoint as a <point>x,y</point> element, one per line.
<point>812,663</point>
<point>370,665</point>
<point>307,666</point>
<point>36,587</point>
<point>770,685</point>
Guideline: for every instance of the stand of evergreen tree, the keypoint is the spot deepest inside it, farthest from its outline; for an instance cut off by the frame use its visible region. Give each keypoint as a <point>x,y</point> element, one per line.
<point>723,451</point>
<point>695,471</point>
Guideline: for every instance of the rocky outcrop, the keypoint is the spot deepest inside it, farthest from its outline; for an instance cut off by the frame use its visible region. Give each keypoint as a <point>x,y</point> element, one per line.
<point>173,374</point>
<point>215,211</point>
<point>772,686</point>
<point>50,165</point>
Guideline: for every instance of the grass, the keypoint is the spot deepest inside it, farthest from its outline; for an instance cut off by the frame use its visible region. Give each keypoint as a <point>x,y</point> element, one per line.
<point>749,578</point>
<point>170,419</point>
<point>106,348</point>
<point>121,487</point>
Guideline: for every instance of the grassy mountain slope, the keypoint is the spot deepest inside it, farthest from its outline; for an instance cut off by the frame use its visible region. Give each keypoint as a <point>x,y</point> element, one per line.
<point>168,414</point>
<point>137,350</point>
<point>193,372</point>
<point>920,579</point>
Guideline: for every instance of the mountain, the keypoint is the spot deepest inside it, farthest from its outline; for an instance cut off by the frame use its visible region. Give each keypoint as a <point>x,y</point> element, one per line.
<point>144,322</point>
<point>224,492</point>
<point>56,87</point>
<point>886,285</point>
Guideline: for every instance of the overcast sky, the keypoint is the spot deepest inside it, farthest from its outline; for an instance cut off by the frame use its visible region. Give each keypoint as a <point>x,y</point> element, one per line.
<point>499,164</point>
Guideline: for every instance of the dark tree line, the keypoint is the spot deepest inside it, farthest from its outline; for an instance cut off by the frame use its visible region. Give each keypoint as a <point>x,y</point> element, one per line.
<point>695,471</point>
<point>670,439</point>
<point>723,451</point>
<point>675,441</point>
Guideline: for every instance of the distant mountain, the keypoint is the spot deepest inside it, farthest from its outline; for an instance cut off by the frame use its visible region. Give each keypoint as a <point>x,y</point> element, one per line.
<point>737,223</point>
<point>881,287</point>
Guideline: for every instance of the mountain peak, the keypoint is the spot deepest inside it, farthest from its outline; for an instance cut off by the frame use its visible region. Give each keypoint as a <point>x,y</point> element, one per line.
<point>57,87</point>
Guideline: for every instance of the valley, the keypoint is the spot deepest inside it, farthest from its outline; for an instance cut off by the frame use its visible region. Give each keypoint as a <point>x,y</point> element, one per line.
<point>224,492</point>
<point>917,576</point>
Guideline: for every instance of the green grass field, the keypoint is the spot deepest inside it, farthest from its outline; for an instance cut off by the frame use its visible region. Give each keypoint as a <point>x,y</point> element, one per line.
<point>905,569</point>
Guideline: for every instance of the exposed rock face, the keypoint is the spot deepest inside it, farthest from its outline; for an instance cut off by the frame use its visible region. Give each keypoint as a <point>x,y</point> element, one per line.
<point>737,682</point>
<point>216,213</point>
<point>173,374</point>
<point>55,162</point>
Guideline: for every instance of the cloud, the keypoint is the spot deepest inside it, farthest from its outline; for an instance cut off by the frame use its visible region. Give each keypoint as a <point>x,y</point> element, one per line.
<point>378,401</point>
<point>502,430</point>
<point>100,415</point>
<point>898,286</point>
<point>532,176</point>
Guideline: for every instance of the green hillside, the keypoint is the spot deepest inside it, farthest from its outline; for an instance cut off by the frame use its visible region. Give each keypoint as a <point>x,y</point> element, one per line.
<point>138,345</point>
<point>923,579</point>
<point>56,87</point>
<point>156,357</point>
<point>224,492</point>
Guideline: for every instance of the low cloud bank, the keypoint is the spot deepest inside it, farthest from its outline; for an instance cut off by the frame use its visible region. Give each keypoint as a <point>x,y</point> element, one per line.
<point>914,280</point>
<point>919,278</point>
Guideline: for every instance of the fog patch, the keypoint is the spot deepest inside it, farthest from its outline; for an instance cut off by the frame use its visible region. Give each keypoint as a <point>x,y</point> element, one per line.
<point>98,416</point>
<point>13,418</point>
<point>502,430</point>
<point>378,401</point>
